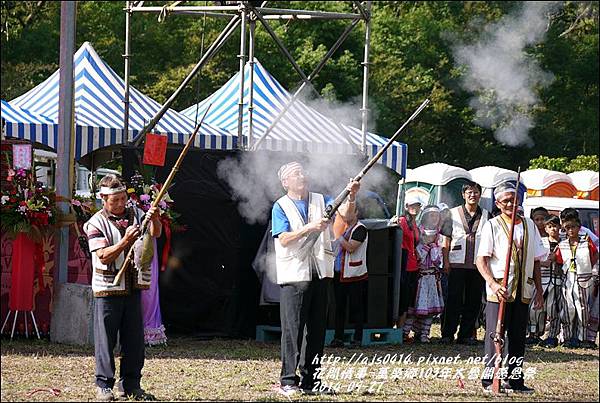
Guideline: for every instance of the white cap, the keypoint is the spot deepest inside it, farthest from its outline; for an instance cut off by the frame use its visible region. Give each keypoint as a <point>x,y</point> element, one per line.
<point>412,198</point>
<point>443,206</point>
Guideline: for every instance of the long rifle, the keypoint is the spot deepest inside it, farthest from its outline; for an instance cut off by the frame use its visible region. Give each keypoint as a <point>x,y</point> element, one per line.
<point>498,337</point>
<point>159,197</point>
<point>333,207</point>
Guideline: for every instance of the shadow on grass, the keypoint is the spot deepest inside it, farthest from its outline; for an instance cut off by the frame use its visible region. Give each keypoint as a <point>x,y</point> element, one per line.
<point>231,349</point>
<point>559,354</point>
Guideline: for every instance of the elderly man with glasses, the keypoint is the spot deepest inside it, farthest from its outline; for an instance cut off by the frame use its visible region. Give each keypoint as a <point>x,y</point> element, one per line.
<point>303,277</point>
<point>524,277</point>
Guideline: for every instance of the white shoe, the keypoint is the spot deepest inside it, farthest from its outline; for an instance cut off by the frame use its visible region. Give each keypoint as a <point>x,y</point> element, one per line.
<point>289,390</point>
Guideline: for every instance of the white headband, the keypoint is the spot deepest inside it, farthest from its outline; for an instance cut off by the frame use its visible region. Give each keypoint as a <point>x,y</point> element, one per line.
<point>105,190</point>
<point>287,169</point>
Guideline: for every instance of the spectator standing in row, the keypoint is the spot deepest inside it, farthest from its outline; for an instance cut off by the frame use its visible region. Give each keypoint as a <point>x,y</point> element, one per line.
<point>578,257</point>
<point>409,268</point>
<point>465,284</point>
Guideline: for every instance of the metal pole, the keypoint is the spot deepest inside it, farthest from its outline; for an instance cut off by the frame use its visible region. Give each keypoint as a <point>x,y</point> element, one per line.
<point>242,57</point>
<point>223,36</point>
<point>365,93</point>
<point>277,12</point>
<point>282,47</point>
<point>154,9</point>
<point>365,14</point>
<point>306,80</point>
<point>64,176</point>
<point>125,135</point>
<point>251,91</point>
<point>317,14</point>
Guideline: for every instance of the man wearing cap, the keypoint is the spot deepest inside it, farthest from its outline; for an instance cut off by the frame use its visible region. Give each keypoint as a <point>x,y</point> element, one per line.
<point>462,232</point>
<point>117,309</point>
<point>524,283</point>
<point>302,275</point>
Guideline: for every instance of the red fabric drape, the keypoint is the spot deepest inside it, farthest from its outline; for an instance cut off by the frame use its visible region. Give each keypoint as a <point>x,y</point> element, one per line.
<point>27,261</point>
<point>155,149</point>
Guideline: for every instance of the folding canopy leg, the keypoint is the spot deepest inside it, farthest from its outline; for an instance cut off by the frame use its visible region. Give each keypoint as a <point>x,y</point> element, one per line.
<point>5,320</point>
<point>35,325</point>
<point>14,324</point>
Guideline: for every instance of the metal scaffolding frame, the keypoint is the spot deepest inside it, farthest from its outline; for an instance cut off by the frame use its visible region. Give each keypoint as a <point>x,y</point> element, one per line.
<point>246,13</point>
<point>243,15</point>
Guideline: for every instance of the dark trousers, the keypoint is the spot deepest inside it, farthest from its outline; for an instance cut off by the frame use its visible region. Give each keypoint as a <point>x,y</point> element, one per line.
<point>123,316</point>
<point>465,287</point>
<point>408,290</point>
<point>303,312</point>
<point>354,290</point>
<point>516,315</point>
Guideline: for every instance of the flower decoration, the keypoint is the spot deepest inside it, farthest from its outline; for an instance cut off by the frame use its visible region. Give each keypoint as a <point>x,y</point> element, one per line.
<point>141,194</point>
<point>26,206</point>
<point>84,207</point>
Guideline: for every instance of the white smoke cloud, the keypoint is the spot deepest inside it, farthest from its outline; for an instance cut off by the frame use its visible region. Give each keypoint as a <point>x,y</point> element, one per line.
<point>503,76</point>
<point>348,113</point>
<point>255,185</point>
<point>253,178</point>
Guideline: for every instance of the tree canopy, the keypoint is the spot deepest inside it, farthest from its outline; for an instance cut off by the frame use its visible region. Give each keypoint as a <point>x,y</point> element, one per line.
<point>411,54</point>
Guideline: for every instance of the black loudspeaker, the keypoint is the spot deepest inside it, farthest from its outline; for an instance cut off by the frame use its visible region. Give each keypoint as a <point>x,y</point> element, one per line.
<point>380,288</point>
<point>379,297</point>
<point>380,251</point>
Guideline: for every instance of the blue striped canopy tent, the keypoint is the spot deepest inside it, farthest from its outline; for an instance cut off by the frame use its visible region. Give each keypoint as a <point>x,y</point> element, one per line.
<point>99,109</point>
<point>23,124</point>
<point>301,129</point>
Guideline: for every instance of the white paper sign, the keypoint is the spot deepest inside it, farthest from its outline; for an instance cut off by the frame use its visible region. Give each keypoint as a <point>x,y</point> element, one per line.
<point>22,156</point>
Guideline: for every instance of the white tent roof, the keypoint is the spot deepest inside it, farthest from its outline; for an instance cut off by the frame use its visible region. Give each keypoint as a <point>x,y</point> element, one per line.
<point>437,173</point>
<point>584,181</point>
<point>22,123</point>
<point>98,96</point>
<point>301,129</point>
<point>543,178</point>
<point>490,176</point>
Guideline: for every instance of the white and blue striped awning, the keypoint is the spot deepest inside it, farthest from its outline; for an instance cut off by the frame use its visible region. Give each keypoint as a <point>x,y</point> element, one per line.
<point>99,109</point>
<point>20,123</point>
<point>301,129</point>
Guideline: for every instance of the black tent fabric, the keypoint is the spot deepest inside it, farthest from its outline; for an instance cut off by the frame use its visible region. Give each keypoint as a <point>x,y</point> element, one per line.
<point>209,285</point>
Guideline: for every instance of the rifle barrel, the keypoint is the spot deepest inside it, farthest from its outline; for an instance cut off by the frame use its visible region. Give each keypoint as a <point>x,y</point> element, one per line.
<point>333,207</point>
<point>499,336</point>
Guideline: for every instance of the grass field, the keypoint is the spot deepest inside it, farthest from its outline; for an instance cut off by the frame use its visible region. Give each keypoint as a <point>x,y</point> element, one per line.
<point>189,369</point>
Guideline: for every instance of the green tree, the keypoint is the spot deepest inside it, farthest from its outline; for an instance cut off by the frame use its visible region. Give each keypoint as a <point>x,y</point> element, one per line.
<point>563,164</point>
<point>411,56</point>
<point>583,163</point>
<point>554,164</point>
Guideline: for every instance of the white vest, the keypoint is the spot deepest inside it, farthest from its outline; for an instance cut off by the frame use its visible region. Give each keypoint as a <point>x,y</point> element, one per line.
<point>355,263</point>
<point>546,271</point>
<point>458,246</point>
<point>500,231</point>
<point>291,268</point>
<point>582,257</point>
<point>103,275</point>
